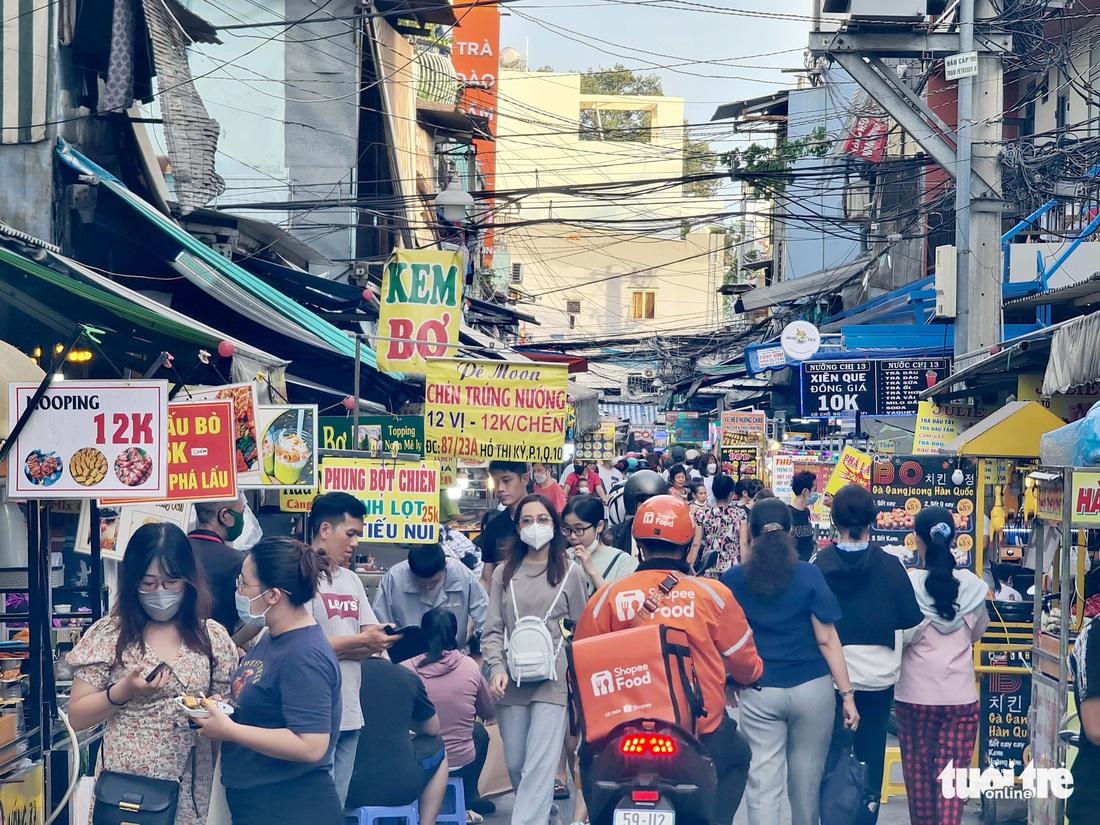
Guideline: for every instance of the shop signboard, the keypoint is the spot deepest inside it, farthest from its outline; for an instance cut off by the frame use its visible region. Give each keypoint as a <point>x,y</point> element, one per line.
<point>420,309</point>
<point>244,401</point>
<point>296,499</point>
<point>495,410</point>
<point>23,796</point>
<point>782,475</point>
<point>853,467</point>
<point>752,422</point>
<point>660,437</point>
<point>740,455</point>
<point>1004,700</point>
<point>117,524</point>
<point>823,469</point>
<point>288,444</point>
<point>1086,499</point>
<point>884,386</point>
<point>1049,500</point>
<point>377,434</point>
<point>939,425</point>
<point>1046,748</point>
<point>201,453</point>
<point>402,498</point>
<point>598,445</point>
<point>88,439</point>
<point>687,426</point>
<point>903,485</point>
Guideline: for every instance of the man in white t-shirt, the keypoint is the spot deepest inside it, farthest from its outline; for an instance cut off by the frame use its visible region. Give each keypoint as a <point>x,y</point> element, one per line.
<point>341,609</point>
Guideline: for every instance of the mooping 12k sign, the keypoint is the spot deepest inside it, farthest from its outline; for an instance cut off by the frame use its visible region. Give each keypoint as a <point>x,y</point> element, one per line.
<point>91,439</point>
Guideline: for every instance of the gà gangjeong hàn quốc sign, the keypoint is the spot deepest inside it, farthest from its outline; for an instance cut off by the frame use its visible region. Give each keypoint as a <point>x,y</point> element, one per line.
<point>420,311</point>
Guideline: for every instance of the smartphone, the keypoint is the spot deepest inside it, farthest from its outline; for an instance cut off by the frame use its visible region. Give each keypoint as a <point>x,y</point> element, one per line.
<point>159,669</point>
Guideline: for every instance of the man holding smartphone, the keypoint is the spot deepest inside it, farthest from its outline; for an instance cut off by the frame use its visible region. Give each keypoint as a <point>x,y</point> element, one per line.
<point>341,609</point>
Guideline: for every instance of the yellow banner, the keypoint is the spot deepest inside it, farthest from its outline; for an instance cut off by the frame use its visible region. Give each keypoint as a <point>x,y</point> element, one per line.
<point>495,410</point>
<point>937,426</point>
<point>23,801</point>
<point>402,500</point>
<point>1086,499</point>
<point>420,309</point>
<point>296,499</point>
<point>853,467</point>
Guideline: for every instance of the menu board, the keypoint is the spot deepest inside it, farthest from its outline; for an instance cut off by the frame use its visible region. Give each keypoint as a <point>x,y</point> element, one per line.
<point>903,485</point>
<point>740,454</point>
<point>836,387</point>
<point>1005,702</point>
<point>871,386</point>
<point>897,383</point>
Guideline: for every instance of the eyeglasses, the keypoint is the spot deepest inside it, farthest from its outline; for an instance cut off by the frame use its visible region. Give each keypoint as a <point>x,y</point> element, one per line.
<point>527,521</point>
<point>151,585</point>
<point>241,584</point>
<point>569,532</point>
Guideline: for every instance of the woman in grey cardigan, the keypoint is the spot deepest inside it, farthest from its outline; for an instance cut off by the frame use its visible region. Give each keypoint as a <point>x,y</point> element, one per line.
<point>537,580</point>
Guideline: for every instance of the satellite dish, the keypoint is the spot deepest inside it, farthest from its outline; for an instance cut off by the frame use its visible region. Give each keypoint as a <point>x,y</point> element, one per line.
<point>510,58</point>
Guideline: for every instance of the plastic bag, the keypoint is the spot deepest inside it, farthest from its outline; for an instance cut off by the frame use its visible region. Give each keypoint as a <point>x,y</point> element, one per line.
<point>252,532</point>
<point>1074,445</point>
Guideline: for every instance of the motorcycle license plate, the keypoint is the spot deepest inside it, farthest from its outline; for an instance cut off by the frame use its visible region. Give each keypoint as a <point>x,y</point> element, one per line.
<point>644,816</point>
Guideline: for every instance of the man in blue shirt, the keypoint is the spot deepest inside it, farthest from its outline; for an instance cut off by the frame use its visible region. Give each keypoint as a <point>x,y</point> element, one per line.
<point>431,579</point>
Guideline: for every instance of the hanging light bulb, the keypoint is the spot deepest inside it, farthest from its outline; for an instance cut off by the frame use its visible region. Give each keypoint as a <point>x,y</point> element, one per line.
<point>957,477</point>
<point>454,201</point>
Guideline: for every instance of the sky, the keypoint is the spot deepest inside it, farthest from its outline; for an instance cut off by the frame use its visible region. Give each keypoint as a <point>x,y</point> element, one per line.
<point>715,51</point>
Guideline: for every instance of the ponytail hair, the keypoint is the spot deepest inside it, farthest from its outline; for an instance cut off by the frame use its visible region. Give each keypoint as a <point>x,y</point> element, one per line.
<point>936,528</point>
<point>772,559</point>
<point>441,627</point>
<point>290,566</point>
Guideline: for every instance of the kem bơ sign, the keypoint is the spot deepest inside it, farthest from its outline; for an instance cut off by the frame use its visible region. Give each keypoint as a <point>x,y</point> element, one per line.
<point>420,312</point>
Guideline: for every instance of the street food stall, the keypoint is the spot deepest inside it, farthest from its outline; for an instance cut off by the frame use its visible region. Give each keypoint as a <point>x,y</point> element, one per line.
<point>1068,508</point>
<point>1005,449</point>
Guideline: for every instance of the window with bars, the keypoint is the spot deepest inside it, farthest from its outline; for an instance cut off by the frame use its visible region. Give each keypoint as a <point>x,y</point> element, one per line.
<point>517,273</point>
<point>643,305</point>
<point>638,384</point>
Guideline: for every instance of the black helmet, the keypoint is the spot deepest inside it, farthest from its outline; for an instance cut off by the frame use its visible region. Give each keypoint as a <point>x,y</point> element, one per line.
<point>642,485</point>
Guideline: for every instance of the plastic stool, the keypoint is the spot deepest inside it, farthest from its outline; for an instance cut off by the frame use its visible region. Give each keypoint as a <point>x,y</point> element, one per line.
<point>889,787</point>
<point>405,815</point>
<point>453,811</point>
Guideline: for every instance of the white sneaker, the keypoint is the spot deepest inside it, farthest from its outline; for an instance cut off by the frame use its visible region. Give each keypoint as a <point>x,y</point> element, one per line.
<point>473,817</point>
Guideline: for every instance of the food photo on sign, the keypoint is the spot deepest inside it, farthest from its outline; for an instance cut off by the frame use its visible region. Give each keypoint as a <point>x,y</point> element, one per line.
<point>288,445</point>
<point>88,439</point>
<point>117,524</point>
<point>245,403</point>
<point>904,485</point>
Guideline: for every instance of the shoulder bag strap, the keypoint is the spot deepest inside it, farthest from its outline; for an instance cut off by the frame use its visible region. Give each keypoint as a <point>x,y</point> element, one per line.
<point>512,591</point>
<point>561,587</point>
<point>614,558</point>
<point>653,603</point>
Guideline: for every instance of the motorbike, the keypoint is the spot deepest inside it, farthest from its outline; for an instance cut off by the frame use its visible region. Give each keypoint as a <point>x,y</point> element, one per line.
<point>648,772</point>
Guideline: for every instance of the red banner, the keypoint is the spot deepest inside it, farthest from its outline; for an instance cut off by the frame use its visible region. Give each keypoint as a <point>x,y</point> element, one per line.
<point>868,139</point>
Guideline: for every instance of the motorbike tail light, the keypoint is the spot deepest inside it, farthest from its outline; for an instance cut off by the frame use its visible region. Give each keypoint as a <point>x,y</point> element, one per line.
<point>645,796</point>
<point>648,745</point>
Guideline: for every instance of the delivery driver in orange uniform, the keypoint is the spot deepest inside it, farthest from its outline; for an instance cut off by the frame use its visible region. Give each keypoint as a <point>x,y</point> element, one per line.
<point>720,637</point>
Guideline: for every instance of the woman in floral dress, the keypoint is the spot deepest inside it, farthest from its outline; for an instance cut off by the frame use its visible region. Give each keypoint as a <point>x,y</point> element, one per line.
<point>160,616</point>
<point>720,528</point>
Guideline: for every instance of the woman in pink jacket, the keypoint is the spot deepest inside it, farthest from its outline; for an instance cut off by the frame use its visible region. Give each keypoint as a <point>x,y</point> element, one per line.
<point>460,695</point>
<point>936,699</point>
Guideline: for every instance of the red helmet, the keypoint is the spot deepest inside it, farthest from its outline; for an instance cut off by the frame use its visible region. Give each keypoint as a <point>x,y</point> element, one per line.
<point>666,518</point>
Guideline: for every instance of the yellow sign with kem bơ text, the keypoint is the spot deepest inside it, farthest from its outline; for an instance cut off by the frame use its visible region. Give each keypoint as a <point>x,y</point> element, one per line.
<point>402,498</point>
<point>420,309</point>
<point>495,410</point>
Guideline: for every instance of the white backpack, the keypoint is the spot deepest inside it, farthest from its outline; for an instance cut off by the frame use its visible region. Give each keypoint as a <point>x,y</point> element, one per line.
<point>530,651</point>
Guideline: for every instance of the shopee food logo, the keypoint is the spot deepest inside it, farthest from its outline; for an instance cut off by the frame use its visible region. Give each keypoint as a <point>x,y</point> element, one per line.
<point>606,682</point>
<point>679,604</point>
<point>659,519</point>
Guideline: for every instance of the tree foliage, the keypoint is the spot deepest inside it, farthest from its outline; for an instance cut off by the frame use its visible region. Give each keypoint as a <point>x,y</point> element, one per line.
<point>764,166</point>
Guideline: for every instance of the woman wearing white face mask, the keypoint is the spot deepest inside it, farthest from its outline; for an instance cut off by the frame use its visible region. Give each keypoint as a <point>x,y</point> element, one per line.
<point>710,467</point>
<point>584,527</point>
<point>536,586</point>
<point>545,485</point>
<point>278,745</point>
<point>160,619</point>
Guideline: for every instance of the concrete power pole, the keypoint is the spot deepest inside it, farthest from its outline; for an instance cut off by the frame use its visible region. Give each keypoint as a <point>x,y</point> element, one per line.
<point>978,219</point>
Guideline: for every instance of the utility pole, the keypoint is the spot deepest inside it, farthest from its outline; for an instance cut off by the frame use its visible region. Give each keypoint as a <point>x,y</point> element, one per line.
<point>977,219</point>
<point>969,154</point>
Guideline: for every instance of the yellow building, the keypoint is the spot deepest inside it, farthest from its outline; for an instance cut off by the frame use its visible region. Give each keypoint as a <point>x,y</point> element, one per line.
<point>597,257</point>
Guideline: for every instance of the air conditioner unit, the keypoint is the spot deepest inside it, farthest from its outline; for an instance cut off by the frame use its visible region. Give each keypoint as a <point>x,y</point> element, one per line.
<point>517,273</point>
<point>946,281</point>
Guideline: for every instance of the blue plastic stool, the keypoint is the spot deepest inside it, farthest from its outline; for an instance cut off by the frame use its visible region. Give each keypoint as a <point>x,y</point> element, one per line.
<point>404,815</point>
<point>453,811</point>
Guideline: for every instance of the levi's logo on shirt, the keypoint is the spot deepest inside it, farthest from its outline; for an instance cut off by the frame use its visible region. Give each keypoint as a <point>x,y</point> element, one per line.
<point>341,607</point>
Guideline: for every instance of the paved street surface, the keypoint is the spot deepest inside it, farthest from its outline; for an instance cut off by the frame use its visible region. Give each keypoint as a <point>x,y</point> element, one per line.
<point>893,813</point>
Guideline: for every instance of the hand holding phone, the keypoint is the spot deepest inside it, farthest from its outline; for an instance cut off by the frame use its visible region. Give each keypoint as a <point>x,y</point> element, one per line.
<point>155,672</point>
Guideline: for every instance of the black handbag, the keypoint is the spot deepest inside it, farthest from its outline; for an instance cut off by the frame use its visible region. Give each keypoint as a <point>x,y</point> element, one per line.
<point>128,799</point>
<point>134,800</point>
